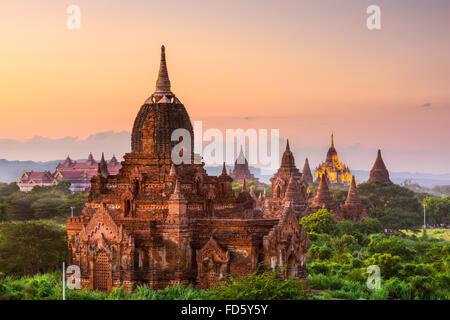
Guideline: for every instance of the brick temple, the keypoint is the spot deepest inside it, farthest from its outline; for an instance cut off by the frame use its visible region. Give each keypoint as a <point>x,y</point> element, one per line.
<point>242,173</point>
<point>379,173</point>
<point>162,224</point>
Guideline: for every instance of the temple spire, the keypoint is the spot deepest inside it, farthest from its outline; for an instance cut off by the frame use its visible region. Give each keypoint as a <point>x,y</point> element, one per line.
<point>323,197</point>
<point>102,168</point>
<point>352,195</point>
<point>224,169</point>
<point>288,149</point>
<point>332,141</point>
<point>307,176</point>
<point>379,172</point>
<point>163,82</point>
<point>287,159</point>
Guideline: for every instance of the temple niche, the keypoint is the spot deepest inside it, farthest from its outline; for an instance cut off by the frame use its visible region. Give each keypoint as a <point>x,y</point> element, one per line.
<point>159,223</point>
<point>337,172</point>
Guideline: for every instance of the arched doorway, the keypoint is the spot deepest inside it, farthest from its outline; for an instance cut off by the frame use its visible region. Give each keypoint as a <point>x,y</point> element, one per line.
<point>127,208</point>
<point>292,267</point>
<point>101,271</point>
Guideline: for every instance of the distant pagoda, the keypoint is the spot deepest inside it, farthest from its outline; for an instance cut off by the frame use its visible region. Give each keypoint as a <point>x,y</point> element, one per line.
<point>379,172</point>
<point>241,171</point>
<point>353,209</point>
<point>307,176</point>
<point>337,172</point>
<point>323,199</point>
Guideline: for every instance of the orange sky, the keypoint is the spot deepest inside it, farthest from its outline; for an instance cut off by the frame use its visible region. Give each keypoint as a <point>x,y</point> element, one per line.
<point>305,67</point>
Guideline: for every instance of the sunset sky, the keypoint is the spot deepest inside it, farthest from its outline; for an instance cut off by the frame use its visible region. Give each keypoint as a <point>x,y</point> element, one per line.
<point>308,68</point>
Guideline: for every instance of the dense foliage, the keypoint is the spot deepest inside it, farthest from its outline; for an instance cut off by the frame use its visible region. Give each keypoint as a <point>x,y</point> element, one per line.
<point>411,268</point>
<point>30,247</point>
<point>43,202</point>
<point>259,286</point>
<point>396,207</point>
<point>414,267</point>
<point>437,210</point>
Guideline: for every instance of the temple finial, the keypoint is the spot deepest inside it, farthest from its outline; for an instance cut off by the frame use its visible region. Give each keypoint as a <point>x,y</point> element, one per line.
<point>288,148</point>
<point>224,169</point>
<point>332,141</point>
<point>163,82</point>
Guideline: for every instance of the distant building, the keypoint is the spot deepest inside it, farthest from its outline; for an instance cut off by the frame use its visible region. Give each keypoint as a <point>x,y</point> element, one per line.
<point>29,179</point>
<point>337,172</point>
<point>379,173</point>
<point>78,173</point>
<point>241,172</point>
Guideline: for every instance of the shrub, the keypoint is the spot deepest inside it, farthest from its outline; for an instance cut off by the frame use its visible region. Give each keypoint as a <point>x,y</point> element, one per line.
<point>32,246</point>
<point>357,275</point>
<point>171,293</point>
<point>259,286</point>
<point>346,243</point>
<point>321,282</point>
<point>320,222</point>
<point>389,265</point>
<point>394,245</point>
<point>318,268</point>
<point>379,294</point>
<point>398,289</point>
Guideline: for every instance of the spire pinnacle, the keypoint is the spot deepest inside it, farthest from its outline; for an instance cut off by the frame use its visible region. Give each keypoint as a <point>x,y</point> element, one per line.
<point>287,145</point>
<point>102,167</point>
<point>332,141</point>
<point>224,169</point>
<point>163,82</point>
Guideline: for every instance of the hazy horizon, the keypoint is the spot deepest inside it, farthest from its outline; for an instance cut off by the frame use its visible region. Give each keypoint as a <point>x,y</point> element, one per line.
<point>356,156</point>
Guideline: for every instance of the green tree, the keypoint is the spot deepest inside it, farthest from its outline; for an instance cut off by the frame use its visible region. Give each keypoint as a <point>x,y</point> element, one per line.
<point>346,243</point>
<point>394,245</point>
<point>63,187</point>
<point>320,222</point>
<point>19,206</point>
<point>371,225</point>
<point>7,189</point>
<point>31,247</point>
<point>437,210</point>
<point>3,212</point>
<point>46,207</point>
<point>77,202</point>
<point>396,207</point>
<point>339,195</point>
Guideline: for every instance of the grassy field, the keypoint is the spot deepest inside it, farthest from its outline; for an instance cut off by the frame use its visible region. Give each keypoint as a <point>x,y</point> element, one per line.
<point>438,233</point>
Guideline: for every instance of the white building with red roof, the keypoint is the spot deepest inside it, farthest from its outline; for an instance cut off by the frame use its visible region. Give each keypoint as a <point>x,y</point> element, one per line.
<point>29,179</point>
<point>78,173</point>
